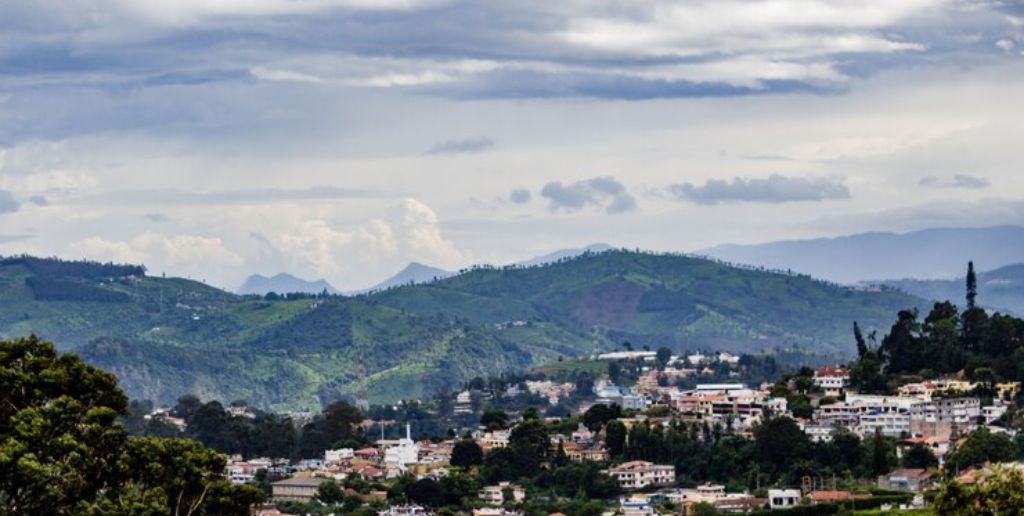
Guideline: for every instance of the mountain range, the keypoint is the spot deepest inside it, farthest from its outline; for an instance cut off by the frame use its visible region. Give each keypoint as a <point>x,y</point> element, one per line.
<point>413,273</point>
<point>165,337</point>
<point>284,283</point>
<point>1002,289</point>
<point>927,254</point>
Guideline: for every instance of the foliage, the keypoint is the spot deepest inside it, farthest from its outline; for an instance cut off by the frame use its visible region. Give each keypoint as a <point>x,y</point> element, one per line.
<point>1002,493</point>
<point>62,451</point>
<point>467,453</point>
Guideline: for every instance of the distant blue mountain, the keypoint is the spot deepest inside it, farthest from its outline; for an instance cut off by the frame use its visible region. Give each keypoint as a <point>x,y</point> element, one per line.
<point>413,274</point>
<point>1001,289</point>
<point>927,254</point>
<point>284,283</point>
<point>565,253</point>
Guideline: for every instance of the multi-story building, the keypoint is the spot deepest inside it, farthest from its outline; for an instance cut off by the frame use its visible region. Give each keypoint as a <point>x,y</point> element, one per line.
<point>832,380</point>
<point>890,424</point>
<point>639,474</point>
<point>944,417</point>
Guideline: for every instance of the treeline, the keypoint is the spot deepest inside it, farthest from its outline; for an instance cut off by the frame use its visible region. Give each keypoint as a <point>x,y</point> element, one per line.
<point>988,348</point>
<point>58,268</point>
<point>256,433</point>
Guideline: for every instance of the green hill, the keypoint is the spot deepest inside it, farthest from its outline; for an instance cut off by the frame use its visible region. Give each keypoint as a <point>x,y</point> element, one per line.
<point>167,336</point>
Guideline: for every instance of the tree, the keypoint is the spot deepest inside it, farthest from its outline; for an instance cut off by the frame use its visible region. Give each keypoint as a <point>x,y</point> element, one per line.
<point>494,420</point>
<point>614,371</point>
<point>919,456</point>
<point>982,446</point>
<point>1002,493</point>
<point>467,453</point>
<point>615,438</point>
<point>425,491</point>
<point>662,356</point>
<point>862,346</point>
<point>62,451</point>
<point>780,440</point>
<point>330,492</point>
<point>595,417</point>
<point>879,454</point>
<point>972,286</point>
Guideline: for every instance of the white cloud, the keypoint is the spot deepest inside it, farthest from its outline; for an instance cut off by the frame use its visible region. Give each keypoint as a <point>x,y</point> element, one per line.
<point>190,255</point>
<point>362,254</point>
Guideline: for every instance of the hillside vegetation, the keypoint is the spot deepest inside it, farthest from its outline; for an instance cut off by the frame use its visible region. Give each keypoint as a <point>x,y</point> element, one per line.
<point>164,337</point>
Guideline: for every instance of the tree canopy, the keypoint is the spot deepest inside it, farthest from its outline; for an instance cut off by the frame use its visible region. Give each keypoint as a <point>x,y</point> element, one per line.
<point>62,450</point>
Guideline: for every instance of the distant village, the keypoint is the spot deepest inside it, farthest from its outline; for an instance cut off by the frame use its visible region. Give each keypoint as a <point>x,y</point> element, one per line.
<point>935,414</point>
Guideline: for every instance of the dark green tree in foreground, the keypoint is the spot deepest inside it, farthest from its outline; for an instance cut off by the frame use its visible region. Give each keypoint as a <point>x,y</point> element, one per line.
<point>62,451</point>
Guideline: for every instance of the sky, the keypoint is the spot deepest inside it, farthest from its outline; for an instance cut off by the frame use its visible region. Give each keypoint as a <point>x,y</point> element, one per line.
<point>342,139</point>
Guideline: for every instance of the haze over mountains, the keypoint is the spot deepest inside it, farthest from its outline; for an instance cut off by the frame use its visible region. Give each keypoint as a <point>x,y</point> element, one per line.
<point>927,254</point>
<point>414,273</point>
<point>164,337</point>
<point>283,283</point>
<point>1003,289</point>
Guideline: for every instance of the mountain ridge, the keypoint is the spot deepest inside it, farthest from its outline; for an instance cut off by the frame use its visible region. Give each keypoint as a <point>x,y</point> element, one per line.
<point>926,254</point>
<point>283,283</point>
<point>165,337</point>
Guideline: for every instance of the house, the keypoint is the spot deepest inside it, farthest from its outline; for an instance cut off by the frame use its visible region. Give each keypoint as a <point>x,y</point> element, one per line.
<point>639,474</point>
<point>495,495</point>
<point>832,380</point>
<point>783,498</point>
<point>907,479</point>
<point>296,489</point>
<point>592,454</point>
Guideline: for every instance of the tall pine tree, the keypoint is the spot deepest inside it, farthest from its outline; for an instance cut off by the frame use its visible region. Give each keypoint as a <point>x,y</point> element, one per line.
<point>972,286</point>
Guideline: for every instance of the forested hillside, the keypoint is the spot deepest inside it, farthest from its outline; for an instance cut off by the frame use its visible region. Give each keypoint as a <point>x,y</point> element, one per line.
<point>165,337</point>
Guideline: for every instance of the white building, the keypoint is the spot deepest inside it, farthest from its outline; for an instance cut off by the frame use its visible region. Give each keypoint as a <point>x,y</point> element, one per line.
<point>832,380</point>
<point>495,495</point>
<point>890,424</point>
<point>403,454</point>
<point>337,456</point>
<point>639,474</point>
<point>783,498</point>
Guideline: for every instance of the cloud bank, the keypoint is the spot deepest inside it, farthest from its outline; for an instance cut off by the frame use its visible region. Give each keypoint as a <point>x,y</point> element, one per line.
<point>775,189</point>
<point>605,193</point>
<point>959,181</point>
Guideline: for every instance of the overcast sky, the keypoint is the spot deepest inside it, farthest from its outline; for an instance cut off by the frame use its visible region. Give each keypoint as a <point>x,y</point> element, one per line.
<point>344,138</point>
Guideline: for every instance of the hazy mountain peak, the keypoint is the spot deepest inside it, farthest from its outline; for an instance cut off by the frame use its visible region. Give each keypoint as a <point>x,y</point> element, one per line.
<point>283,283</point>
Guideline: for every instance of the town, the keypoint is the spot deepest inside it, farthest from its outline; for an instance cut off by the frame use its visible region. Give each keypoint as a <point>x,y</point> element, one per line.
<point>924,426</point>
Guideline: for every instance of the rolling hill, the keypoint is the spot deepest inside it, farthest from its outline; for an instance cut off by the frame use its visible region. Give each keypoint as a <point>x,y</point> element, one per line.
<point>165,337</point>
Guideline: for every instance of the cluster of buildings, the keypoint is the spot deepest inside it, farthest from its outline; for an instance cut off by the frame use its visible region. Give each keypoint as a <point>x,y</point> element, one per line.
<point>934,413</point>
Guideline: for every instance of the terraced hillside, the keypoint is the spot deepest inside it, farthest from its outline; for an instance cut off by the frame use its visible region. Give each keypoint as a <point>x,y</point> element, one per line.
<point>169,336</point>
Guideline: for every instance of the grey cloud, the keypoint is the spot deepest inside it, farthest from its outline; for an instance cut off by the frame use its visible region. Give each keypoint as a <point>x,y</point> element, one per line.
<point>156,217</point>
<point>39,200</point>
<point>961,181</point>
<point>775,189</point>
<point>182,197</point>
<point>604,192</point>
<point>6,239</point>
<point>8,204</point>
<point>520,196</point>
<point>467,146</point>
